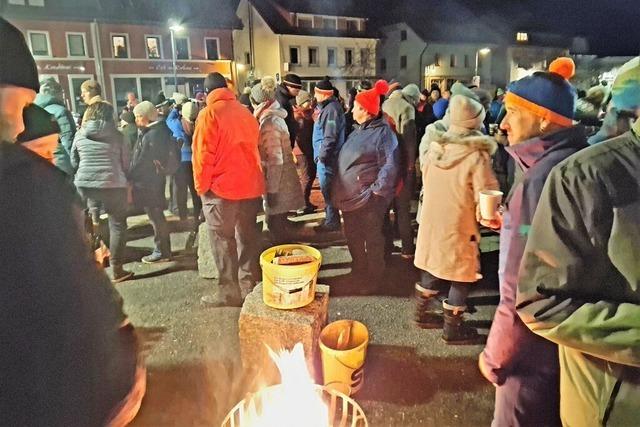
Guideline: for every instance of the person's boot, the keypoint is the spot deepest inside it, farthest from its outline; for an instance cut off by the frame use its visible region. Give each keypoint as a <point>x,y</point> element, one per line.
<point>454,331</point>
<point>191,241</point>
<point>120,274</point>
<point>429,314</point>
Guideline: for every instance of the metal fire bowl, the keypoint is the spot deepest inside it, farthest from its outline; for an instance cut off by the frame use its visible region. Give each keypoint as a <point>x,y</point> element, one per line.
<point>343,410</point>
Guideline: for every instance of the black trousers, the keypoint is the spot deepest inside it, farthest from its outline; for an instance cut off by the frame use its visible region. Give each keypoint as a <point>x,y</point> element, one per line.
<point>364,230</point>
<point>402,209</point>
<point>114,203</point>
<point>183,184</point>
<point>160,230</point>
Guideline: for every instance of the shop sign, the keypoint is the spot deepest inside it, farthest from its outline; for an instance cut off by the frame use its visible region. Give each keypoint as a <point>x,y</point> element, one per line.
<point>61,67</point>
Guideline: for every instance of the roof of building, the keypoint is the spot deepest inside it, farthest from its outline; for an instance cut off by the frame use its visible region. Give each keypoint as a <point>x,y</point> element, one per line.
<point>275,14</point>
<point>195,13</point>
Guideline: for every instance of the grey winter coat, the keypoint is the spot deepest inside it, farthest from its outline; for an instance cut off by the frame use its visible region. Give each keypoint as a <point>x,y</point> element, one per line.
<point>100,156</point>
<point>55,107</point>
<point>280,173</point>
<point>403,115</point>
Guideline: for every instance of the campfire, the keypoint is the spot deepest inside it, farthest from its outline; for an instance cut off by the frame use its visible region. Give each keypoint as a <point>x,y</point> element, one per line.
<point>296,401</point>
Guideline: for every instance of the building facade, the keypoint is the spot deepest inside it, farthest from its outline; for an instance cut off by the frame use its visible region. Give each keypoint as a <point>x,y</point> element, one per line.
<point>94,41</point>
<point>276,40</point>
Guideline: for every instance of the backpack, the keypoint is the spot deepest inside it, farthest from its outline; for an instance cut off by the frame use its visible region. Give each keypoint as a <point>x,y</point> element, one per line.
<point>172,158</point>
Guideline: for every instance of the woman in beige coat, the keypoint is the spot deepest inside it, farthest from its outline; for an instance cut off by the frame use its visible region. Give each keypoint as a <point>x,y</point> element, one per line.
<point>284,193</point>
<point>456,168</point>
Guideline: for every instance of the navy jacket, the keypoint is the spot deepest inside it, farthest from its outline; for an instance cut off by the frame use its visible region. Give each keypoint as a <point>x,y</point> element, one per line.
<point>368,164</point>
<point>328,132</point>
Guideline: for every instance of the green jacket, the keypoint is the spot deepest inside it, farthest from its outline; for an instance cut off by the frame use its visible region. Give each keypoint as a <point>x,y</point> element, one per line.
<point>580,281</point>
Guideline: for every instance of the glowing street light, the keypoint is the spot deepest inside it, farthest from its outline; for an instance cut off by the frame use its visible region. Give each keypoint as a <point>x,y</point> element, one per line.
<point>175,28</point>
<point>483,51</point>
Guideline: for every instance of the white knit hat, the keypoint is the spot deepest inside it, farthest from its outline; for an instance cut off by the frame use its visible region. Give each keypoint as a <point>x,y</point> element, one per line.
<point>146,109</point>
<point>466,113</point>
<point>264,91</point>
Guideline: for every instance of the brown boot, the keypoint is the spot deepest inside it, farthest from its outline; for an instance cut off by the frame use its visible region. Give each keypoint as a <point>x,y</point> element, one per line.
<point>120,274</point>
<point>428,313</point>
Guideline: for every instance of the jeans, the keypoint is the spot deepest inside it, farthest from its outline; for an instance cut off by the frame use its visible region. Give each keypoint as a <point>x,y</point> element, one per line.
<point>402,208</point>
<point>458,291</point>
<point>364,230</point>
<point>327,176</point>
<point>308,172</point>
<point>183,182</point>
<point>114,203</point>
<point>234,238</point>
<point>160,231</point>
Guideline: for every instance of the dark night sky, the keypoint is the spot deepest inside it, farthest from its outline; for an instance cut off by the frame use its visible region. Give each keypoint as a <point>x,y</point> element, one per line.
<point>612,26</point>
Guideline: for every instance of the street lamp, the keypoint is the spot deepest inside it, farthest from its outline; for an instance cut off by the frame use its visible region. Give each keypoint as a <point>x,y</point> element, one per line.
<point>175,28</point>
<point>483,51</point>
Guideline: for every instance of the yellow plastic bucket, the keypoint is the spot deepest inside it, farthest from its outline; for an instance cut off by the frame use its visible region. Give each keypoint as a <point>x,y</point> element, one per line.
<point>343,346</point>
<point>289,286</point>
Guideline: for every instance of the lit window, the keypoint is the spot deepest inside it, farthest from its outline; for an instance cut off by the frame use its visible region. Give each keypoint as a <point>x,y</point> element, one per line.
<point>313,56</point>
<point>75,44</point>
<point>522,37</point>
<point>120,46</point>
<point>213,49</point>
<point>153,47</point>
<point>39,43</point>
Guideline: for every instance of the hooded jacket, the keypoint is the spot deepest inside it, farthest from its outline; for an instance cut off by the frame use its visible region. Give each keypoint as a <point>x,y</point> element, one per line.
<point>100,156</point>
<point>368,165</point>
<point>174,121</point>
<point>328,132</point>
<point>578,283</point>
<point>55,107</point>
<point>62,341</point>
<point>512,350</point>
<point>455,169</point>
<point>280,173</point>
<point>226,159</point>
<point>403,115</point>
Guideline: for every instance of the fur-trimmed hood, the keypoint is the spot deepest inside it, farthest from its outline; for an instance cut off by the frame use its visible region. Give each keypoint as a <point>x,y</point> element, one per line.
<point>450,149</point>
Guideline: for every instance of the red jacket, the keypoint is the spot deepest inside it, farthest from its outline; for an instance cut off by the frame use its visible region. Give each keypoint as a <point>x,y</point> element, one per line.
<point>226,159</point>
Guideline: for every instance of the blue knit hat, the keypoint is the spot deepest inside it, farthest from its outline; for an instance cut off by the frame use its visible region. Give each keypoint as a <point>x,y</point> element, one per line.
<point>625,93</point>
<point>547,94</point>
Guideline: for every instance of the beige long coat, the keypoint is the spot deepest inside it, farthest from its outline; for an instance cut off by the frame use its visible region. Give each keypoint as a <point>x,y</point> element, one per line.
<point>454,171</point>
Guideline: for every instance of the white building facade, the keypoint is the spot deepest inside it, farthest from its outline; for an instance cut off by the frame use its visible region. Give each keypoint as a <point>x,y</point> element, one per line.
<point>275,41</point>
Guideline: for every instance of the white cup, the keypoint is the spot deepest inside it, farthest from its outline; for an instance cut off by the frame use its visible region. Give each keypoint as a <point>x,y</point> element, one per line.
<point>490,203</point>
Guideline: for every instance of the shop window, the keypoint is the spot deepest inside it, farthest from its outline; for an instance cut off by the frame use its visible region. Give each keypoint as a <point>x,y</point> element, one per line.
<point>122,86</point>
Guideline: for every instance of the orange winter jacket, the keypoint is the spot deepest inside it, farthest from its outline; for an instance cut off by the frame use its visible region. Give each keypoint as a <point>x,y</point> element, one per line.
<point>226,159</point>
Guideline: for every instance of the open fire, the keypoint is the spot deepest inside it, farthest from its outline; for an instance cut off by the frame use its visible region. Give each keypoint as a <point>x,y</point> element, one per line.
<point>297,401</point>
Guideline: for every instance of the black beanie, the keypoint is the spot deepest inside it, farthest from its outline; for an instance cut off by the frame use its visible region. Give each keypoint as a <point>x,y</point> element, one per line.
<point>214,81</point>
<point>17,67</point>
<point>37,123</point>
<point>325,85</point>
<point>293,81</point>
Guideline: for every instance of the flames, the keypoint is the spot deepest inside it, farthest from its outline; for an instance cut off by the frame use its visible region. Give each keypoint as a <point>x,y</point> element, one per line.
<point>293,403</point>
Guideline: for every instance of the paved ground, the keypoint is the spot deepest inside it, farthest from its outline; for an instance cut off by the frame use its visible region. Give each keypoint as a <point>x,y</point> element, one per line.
<point>412,378</point>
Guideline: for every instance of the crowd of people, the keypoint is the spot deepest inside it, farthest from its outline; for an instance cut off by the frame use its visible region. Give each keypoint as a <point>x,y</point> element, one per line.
<point>563,346</point>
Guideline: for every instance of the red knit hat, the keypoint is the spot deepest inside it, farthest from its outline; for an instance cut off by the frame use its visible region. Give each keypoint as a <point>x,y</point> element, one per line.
<point>370,99</point>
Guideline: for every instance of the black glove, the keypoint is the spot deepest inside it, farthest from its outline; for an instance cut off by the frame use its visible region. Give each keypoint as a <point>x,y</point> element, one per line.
<point>272,199</point>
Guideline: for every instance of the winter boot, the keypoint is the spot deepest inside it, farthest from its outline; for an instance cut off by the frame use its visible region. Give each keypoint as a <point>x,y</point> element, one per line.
<point>455,332</point>
<point>428,313</point>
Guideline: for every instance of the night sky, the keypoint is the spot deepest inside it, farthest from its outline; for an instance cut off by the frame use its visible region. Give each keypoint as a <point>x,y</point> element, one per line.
<point>612,26</point>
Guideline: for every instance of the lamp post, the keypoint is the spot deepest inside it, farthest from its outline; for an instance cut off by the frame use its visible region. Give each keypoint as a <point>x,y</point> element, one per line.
<point>175,29</point>
<point>483,51</point>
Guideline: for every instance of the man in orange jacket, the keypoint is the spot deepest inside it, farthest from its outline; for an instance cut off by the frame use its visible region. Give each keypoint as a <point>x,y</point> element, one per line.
<point>228,177</point>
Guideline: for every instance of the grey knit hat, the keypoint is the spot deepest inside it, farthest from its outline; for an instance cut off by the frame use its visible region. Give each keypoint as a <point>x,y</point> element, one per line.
<point>50,86</point>
<point>412,93</point>
<point>264,91</point>
<point>146,109</point>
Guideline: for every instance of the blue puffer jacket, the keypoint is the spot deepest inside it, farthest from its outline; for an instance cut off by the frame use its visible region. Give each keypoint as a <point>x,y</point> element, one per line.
<point>328,132</point>
<point>174,121</point>
<point>62,154</point>
<point>100,156</point>
<point>368,164</point>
